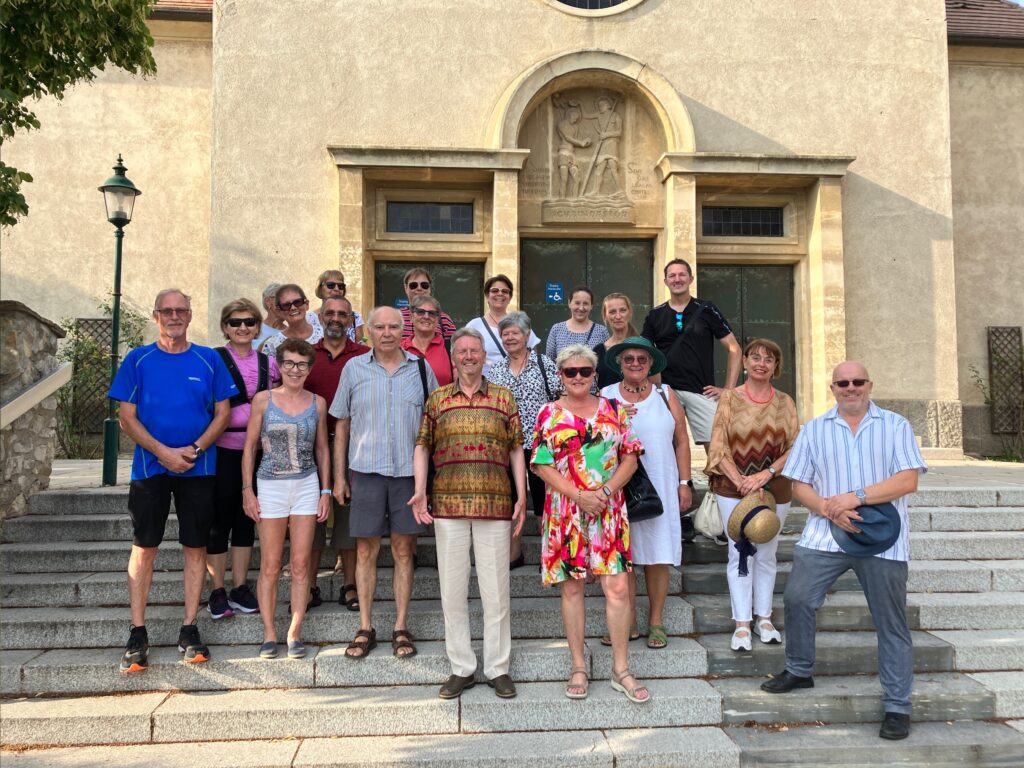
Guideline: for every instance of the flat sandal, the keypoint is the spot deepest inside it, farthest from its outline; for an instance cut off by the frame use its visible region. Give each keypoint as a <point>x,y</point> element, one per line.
<point>629,693</point>
<point>586,685</point>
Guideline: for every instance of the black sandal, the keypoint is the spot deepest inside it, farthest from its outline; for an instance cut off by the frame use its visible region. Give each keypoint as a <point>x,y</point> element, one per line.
<point>364,648</point>
<point>401,639</point>
<point>351,603</point>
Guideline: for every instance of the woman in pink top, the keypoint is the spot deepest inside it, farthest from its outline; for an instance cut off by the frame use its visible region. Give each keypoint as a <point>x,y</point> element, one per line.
<point>240,321</point>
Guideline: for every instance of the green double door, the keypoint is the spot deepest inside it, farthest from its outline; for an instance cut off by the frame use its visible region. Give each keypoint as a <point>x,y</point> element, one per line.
<point>550,269</point>
<point>458,286</point>
<point>758,303</point>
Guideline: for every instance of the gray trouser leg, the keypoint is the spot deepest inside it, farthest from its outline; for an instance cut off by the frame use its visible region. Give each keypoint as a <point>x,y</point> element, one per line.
<point>812,575</point>
<point>885,587</point>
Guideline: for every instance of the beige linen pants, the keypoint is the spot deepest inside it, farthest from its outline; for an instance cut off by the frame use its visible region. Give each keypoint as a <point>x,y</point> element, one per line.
<point>490,542</point>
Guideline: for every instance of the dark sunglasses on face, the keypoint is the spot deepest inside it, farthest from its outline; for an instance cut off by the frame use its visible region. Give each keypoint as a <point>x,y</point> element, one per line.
<point>844,383</point>
<point>238,322</point>
<point>571,373</point>
<point>424,285</point>
<point>334,286</point>
<point>294,304</point>
<point>420,312</point>
<point>500,292</point>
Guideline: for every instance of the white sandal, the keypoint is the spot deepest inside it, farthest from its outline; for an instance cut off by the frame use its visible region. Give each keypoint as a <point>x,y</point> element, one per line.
<point>629,693</point>
<point>767,632</point>
<point>741,642</point>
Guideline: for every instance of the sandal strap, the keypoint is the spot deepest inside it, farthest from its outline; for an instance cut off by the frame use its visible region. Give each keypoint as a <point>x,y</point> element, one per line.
<point>369,634</point>
<point>399,634</point>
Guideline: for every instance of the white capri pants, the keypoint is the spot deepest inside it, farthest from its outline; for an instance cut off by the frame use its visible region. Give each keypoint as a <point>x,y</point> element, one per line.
<point>755,590</point>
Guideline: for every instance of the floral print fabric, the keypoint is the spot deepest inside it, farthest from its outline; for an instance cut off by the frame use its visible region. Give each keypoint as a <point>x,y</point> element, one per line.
<point>586,451</point>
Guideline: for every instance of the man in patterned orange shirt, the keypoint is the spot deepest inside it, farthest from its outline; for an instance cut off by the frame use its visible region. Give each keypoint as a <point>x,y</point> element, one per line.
<point>471,429</point>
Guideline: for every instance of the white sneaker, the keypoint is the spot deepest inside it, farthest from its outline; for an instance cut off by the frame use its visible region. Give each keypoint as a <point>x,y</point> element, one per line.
<point>741,642</point>
<point>767,632</point>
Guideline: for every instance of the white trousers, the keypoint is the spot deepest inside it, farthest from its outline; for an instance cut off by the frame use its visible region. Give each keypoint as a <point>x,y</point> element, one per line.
<point>756,589</point>
<point>490,542</point>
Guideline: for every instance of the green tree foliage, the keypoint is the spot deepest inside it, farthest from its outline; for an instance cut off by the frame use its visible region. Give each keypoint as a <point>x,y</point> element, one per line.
<point>46,47</point>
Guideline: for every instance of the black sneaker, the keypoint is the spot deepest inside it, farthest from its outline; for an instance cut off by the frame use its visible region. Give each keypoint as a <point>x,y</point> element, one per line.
<point>242,599</point>
<point>218,605</point>
<point>190,644</point>
<point>136,653</point>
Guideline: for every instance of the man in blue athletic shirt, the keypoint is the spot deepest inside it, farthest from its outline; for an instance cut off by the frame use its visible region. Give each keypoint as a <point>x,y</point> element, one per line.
<point>174,404</point>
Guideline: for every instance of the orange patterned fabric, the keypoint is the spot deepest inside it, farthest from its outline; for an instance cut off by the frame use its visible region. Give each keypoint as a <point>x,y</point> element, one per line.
<point>752,436</point>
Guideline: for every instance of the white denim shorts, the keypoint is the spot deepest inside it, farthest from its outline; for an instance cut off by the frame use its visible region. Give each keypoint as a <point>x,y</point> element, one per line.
<point>287,496</point>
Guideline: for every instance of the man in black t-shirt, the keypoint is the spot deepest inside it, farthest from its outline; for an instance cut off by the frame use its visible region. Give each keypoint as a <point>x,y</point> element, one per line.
<point>685,329</point>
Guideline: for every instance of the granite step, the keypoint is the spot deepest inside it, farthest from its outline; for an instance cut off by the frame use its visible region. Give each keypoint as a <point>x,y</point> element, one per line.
<point>22,590</point>
<point>985,649</point>
<point>532,617</point>
<point>334,712</point>
<point>237,667</point>
<point>855,699</point>
<point>837,653</point>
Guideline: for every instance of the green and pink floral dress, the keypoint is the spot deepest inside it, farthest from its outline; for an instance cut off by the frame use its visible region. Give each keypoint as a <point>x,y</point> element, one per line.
<point>587,452</point>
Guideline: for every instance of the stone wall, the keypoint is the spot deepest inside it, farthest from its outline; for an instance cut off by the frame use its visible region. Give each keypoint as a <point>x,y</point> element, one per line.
<point>28,349</point>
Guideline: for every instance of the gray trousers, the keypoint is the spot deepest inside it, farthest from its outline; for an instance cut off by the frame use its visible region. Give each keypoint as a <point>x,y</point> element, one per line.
<point>885,586</point>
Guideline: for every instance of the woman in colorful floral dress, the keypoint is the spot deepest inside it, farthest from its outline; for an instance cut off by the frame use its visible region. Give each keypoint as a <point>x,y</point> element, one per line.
<point>585,452</point>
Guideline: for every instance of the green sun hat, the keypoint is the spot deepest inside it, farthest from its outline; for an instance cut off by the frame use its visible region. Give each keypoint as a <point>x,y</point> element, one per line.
<point>658,360</point>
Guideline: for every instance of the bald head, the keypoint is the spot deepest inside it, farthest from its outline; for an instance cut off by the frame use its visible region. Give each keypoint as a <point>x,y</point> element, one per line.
<point>850,369</point>
<point>851,388</point>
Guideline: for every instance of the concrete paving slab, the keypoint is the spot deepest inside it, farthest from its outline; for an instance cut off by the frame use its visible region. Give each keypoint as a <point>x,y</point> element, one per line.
<point>270,714</point>
<point>236,754</point>
<point>88,720</point>
<point>694,747</point>
<point>985,649</point>
<point>586,749</point>
<point>544,707</point>
<point>985,610</point>
<point>10,669</point>
<point>1008,688</point>
<point>852,699</point>
<point>935,745</point>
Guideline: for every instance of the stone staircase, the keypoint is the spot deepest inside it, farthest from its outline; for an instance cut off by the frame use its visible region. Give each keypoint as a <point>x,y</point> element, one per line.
<point>64,621</point>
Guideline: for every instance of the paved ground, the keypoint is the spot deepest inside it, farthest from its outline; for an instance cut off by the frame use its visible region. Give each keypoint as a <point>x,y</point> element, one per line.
<point>966,473</point>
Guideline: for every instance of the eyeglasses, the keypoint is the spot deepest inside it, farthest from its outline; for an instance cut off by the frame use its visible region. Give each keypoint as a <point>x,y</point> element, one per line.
<point>238,322</point>
<point>844,383</point>
<point>334,286</point>
<point>172,311</point>
<point>422,284</point>
<point>420,312</point>
<point>298,365</point>
<point>293,304</point>
<point>631,359</point>
<point>571,373</point>
<point>500,292</point>
<point>679,321</point>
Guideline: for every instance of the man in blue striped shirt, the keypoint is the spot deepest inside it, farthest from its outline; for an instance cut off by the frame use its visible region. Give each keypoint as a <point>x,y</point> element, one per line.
<point>855,454</point>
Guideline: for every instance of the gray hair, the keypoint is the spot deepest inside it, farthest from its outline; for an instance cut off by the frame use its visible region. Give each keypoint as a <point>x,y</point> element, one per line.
<point>168,292</point>
<point>519,320</point>
<point>467,331</point>
<point>271,291</point>
<point>419,301</point>
<point>377,310</point>
<point>575,350</point>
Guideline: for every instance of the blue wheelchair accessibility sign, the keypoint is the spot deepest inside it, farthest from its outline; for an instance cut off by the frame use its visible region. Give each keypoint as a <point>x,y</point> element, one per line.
<point>554,293</point>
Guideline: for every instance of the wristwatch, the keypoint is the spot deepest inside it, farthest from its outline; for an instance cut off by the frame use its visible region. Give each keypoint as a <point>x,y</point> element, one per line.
<point>607,491</point>
<point>687,482</point>
<point>771,471</point>
<point>862,497</point>
<point>199,451</point>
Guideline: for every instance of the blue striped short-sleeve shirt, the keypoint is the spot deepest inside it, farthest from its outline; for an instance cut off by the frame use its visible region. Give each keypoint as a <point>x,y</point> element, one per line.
<point>831,459</point>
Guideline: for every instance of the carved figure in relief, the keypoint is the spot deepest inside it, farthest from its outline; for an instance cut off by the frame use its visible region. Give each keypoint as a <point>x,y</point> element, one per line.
<point>606,157</point>
<point>569,134</point>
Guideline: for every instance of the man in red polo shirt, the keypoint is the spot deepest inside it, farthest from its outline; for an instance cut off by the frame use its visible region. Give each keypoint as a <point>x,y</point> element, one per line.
<point>332,353</point>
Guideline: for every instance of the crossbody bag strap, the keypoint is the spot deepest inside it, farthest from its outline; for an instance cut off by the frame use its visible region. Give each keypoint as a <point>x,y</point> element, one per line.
<point>495,339</point>
<point>422,365</point>
<point>543,376</point>
<point>243,396</point>
<point>590,333</point>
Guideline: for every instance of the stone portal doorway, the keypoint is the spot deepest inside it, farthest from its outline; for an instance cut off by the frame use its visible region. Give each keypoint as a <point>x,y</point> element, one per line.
<point>605,266</point>
<point>457,286</point>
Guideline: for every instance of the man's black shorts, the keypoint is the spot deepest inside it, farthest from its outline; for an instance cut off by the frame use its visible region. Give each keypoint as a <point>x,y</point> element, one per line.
<point>149,503</point>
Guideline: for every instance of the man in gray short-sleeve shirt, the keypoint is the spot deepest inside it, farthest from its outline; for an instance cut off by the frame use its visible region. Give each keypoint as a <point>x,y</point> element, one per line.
<point>378,405</point>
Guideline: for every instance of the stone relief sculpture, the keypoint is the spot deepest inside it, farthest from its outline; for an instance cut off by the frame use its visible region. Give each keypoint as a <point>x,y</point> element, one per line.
<point>606,157</point>
<point>570,137</point>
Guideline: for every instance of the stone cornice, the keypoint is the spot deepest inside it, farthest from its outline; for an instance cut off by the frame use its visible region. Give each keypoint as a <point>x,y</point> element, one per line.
<point>463,158</point>
<point>735,164</point>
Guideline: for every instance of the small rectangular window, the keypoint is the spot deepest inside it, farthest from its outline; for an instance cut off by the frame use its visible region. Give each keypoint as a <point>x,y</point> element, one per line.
<point>722,221</point>
<point>430,218</point>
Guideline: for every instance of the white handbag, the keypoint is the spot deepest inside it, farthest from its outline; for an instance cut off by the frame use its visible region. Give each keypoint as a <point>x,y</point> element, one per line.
<point>707,519</point>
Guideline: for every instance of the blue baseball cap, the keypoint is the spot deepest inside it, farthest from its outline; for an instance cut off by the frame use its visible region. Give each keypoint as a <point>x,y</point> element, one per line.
<point>879,529</point>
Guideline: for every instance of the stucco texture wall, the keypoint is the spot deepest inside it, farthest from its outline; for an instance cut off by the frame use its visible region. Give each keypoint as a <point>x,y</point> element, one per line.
<point>865,79</point>
<point>60,258</point>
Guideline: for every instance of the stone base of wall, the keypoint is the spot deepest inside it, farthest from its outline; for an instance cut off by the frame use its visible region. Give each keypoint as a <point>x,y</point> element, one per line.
<point>27,445</point>
<point>978,437</point>
<point>939,423</point>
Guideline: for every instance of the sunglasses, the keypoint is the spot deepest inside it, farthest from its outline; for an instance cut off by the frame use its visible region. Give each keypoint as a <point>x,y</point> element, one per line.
<point>571,373</point>
<point>844,383</point>
<point>631,359</point>
<point>300,366</point>
<point>334,286</point>
<point>171,311</point>
<point>423,284</point>
<point>679,321</point>
<point>293,304</point>
<point>500,292</point>
<point>420,312</point>
<point>238,322</point>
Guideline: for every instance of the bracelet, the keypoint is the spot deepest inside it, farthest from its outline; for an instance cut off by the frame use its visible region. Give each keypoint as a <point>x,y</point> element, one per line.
<point>325,491</point>
<point>246,487</point>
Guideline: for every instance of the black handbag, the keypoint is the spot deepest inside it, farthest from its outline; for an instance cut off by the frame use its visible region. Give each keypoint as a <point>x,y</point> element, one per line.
<point>642,500</point>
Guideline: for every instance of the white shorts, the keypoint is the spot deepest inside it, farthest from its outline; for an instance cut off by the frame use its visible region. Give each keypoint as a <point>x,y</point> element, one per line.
<point>287,496</point>
<point>700,414</point>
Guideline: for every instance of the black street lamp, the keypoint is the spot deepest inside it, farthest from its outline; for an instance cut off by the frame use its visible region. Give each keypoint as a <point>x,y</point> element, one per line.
<point>119,197</point>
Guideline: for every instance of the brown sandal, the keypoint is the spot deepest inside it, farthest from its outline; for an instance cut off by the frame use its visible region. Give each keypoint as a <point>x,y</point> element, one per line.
<point>401,639</point>
<point>364,648</point>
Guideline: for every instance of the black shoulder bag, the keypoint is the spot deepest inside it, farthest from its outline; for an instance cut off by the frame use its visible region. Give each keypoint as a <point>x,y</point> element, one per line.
<point>642,500</point>
<point>262,380</point>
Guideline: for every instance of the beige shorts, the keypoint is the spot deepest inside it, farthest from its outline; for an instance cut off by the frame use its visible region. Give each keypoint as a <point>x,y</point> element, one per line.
<point>700,414</point>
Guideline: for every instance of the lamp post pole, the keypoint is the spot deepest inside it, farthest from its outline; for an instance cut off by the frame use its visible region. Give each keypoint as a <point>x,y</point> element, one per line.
<point>119,198</point>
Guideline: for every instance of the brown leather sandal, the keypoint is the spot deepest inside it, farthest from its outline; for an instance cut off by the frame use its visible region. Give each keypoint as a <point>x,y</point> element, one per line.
<point>402,639</point>
<point>364,647</point>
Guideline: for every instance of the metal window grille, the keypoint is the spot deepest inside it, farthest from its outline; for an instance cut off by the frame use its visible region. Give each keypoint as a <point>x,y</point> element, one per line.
<point>430,218</point>
<point>89,399</point>
<point>719,221</point>
<point>1006,378</point>
<point>591,5</point>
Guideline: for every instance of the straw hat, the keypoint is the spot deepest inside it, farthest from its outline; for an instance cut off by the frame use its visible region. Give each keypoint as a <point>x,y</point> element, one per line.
<point>754,519</point>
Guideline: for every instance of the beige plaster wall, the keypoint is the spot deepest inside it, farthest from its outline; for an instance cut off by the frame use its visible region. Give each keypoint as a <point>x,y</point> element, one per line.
<point>867,79</point>
<point>60,258</point>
